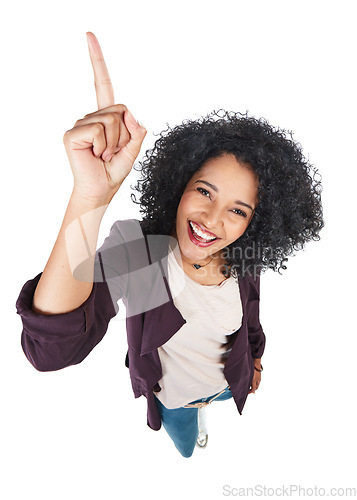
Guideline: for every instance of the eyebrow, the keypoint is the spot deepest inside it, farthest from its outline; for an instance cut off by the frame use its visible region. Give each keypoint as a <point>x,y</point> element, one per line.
<point>238,202</point>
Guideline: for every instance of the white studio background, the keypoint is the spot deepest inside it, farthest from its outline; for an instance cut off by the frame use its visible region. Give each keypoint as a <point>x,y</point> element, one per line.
<point>79,433</point>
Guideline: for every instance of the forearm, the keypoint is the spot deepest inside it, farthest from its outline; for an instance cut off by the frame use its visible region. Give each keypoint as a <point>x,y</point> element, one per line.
<point>57,290</point>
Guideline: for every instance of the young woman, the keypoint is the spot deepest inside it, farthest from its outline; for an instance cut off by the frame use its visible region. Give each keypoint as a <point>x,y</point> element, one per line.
<point>223,199</point>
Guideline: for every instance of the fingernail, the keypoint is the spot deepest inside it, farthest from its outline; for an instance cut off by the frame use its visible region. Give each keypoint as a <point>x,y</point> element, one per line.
<point>141,125</point>
<point>131,118</point>
<point>108,158</point>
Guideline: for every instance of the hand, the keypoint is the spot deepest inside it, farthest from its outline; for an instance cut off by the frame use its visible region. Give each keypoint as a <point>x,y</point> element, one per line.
<point>102,146</point>
<point>255,382</point>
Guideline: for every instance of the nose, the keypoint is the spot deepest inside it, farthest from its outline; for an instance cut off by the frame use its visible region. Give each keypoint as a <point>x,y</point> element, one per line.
<point>212,218</point>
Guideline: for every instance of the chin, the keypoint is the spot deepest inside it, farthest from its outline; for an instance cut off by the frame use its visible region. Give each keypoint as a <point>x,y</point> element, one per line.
<point>197,253</point>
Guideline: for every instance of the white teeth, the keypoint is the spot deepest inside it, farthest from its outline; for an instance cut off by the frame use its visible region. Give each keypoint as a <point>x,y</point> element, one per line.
<point>197,230</point>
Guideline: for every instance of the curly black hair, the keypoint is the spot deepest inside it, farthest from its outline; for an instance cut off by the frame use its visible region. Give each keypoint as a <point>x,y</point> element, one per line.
<point>289,212</point>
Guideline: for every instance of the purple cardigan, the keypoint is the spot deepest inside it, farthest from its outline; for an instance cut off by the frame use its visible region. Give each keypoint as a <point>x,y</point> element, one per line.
<point>133,267</point>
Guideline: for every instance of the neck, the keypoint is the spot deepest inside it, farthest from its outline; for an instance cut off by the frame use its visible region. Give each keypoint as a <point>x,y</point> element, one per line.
<point>201,263</point>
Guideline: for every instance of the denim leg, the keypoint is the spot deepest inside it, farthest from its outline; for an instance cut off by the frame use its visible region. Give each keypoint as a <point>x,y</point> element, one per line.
<point>181,425</point>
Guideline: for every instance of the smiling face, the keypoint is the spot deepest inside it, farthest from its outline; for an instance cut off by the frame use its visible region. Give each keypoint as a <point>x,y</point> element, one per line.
<point>219,200</point>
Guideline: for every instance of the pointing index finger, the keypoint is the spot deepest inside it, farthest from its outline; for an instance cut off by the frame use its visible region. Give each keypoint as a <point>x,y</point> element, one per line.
<point>103,85</point>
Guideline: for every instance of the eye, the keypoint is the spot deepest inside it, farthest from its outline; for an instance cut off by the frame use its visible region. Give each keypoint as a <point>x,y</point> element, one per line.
<point>240,212</point>
<point>202,191</point>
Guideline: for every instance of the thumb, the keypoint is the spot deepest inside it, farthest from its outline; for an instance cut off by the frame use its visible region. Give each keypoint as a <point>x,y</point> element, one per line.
<point>137,133</point>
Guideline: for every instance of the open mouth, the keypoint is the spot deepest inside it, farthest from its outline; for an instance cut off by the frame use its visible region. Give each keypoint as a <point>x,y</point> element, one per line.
<point>198,236</point>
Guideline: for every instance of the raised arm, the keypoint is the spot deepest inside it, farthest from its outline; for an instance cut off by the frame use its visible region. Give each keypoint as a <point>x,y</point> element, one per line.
<point>109,131</point>
<point>65,310</point>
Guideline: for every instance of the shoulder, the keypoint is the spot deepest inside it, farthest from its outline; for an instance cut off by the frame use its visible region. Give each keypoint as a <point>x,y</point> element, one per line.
<point>123,239</point>
<point>127,229</point>
<point>251,281</point>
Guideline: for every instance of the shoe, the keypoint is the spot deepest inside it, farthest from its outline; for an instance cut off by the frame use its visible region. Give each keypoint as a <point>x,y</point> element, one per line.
<point>202,441</point>
<point>202,428</point>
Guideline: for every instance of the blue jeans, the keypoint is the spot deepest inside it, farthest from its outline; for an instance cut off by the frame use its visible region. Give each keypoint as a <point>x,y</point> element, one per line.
<point>181,423</point>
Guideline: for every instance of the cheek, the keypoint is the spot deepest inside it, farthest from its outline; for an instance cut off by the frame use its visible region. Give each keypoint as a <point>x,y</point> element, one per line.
<point>235,231</point>
<point>185,206</point>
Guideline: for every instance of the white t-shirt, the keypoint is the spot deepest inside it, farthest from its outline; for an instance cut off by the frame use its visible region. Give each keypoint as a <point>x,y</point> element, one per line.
<point>193,359</point>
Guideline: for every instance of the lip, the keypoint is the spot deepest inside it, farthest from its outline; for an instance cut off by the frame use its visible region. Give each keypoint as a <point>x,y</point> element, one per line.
<point>200,243</point>
<point>205,230</point>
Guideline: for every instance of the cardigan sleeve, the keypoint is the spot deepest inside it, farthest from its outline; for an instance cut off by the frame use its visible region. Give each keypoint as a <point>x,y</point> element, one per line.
<point>256,334</point>
<point>54,341</point>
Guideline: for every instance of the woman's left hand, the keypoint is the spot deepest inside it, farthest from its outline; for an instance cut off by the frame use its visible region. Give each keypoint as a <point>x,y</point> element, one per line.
<point>255,382</point>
